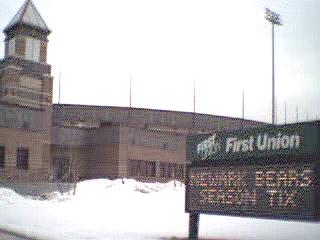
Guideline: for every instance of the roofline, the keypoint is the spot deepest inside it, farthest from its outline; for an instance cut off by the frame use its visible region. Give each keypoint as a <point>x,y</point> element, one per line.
<point>311,122</point>
<point>158,110</point>
<point>9,27</point>
<point>16,105</point>
<point>17,25</point>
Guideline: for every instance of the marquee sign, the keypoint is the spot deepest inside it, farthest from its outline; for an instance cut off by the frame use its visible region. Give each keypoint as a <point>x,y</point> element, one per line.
<point>268,172</point>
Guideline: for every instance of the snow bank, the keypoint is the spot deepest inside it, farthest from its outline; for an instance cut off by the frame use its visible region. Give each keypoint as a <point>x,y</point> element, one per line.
<point>8,196</point>
<point>126,209</point>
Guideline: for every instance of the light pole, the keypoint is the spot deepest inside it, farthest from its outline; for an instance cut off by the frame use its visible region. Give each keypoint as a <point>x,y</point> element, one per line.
<point>274,19</point>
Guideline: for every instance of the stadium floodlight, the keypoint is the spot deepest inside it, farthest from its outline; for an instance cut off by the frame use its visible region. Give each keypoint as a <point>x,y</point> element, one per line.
<point>274,19</point>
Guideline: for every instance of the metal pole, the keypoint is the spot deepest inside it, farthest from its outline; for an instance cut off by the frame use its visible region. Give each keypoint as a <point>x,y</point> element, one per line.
<point>59,88</point>
<point>242,122</point>
<point>273,87</point>
<point>274,19</point>
<point>74,172</point>
<point>285,112</point>
<point>194,106</point>
<point>130,94</point>
<point>242,104</point>
<point>193,226</point>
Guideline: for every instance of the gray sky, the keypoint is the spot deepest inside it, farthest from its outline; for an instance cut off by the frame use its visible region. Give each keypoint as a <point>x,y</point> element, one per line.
<point>225,46</point>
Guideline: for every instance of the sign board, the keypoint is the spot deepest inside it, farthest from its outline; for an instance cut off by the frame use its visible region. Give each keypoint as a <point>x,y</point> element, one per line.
<point>290,140</point>
<point>268,172</point>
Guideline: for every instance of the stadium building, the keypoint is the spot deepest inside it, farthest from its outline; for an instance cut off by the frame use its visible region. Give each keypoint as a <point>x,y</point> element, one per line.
<point>41,141</point>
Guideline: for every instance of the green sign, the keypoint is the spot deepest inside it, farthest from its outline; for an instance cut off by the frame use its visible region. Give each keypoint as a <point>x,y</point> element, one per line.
<point>297,139</point>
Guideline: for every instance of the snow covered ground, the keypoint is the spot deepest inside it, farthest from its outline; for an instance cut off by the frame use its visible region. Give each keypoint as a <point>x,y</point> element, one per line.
<point>103,209</point>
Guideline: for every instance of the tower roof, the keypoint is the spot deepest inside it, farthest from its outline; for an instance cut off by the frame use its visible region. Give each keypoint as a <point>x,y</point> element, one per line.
<point>28,15</point>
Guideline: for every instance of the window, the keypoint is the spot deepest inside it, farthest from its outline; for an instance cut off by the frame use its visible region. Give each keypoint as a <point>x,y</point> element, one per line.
<point>33,49</point>
<point>164,146</point>
<point>26,120</point>
<point>22,158</point>
<point>2,118</point>
<point>166,170</point>
<point>179,171</point>
<point>20,47</point>
<point>141,168</point>
<point>105,124</point>
<point>10,118</point>
<point>133,168</point>
<point>172,170</point>
<point>151,169</point>
<point>43,52</point>
<point>2,156</point>
<point>12,46</point>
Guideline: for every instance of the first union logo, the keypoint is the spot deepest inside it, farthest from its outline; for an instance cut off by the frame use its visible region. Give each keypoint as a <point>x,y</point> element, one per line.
<point>208,147</point>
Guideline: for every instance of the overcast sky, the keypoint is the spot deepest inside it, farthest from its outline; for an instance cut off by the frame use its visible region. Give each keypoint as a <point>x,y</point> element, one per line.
<point>224,46</point>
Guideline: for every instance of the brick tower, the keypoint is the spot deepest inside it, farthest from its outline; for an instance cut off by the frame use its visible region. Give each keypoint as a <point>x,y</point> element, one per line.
<point>25,76</point>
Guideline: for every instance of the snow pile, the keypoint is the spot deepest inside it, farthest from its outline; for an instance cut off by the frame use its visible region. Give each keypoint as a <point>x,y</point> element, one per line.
<point>10,197</point>
<point>126,209</point>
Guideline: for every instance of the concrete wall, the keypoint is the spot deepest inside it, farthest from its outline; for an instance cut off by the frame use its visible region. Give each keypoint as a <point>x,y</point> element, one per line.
<point>104,152</point>
<point>76,136</point>
<point>98,161</point>
<point>139,144</point>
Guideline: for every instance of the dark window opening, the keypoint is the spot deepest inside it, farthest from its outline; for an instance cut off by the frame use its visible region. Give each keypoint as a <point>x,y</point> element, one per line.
<point>151,169</point>
<point>26,120</point>
<point>22,158</point>
<point>164,146</point>
<point>141,168</point>
<point>2,156</point>
<point>106,124</point>
<point>166,170</point>
<point>172,170</point>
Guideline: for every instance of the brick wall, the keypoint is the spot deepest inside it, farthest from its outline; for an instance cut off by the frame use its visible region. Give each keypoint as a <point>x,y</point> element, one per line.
<point>38,151</point>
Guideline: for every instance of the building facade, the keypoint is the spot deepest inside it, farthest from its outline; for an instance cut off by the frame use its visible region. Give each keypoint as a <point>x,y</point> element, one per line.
<point>41,141</point>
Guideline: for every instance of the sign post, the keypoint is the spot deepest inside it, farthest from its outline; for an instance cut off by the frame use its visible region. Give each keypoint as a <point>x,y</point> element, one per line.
<point>193,226</point>
<point>271,172</point>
